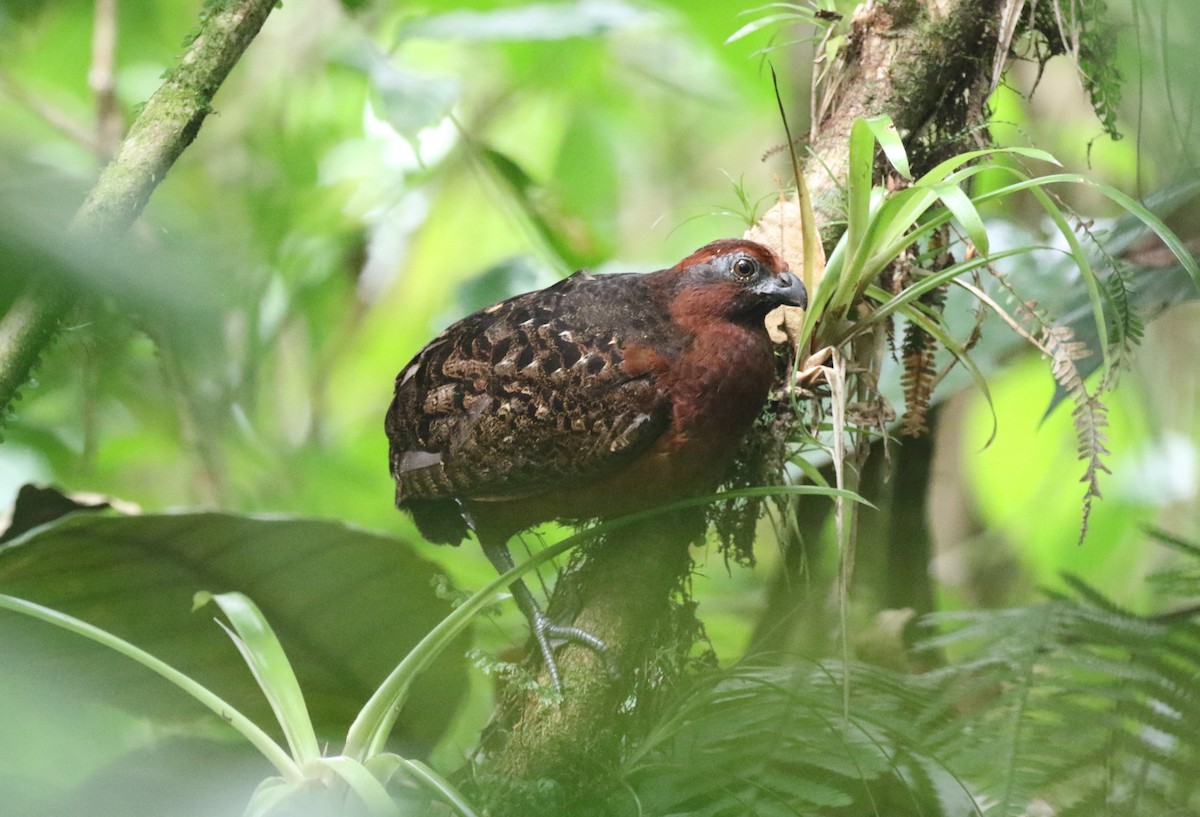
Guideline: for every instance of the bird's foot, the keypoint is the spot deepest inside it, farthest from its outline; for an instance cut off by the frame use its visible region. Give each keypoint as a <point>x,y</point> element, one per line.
<point>546,632</point>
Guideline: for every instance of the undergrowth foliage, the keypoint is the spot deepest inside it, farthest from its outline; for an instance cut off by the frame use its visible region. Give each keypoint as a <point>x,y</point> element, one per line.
<point>1079,703</point>
<point>1073,706</point>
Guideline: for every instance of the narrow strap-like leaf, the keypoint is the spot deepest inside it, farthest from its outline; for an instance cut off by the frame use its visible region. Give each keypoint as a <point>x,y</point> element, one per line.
<point>257,643</point>
<point>261,740</point>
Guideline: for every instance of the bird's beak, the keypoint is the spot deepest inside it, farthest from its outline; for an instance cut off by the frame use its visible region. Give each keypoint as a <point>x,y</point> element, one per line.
<point>784,288</point>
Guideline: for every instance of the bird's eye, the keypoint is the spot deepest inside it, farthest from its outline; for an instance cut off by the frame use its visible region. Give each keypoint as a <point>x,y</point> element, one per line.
<point>744,268</point>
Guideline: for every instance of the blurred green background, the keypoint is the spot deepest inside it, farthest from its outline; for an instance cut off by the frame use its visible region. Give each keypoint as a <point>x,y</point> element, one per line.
<point>376,170</point>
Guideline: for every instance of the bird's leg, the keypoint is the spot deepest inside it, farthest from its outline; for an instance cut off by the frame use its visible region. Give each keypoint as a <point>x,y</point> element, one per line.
<point>539,623</point>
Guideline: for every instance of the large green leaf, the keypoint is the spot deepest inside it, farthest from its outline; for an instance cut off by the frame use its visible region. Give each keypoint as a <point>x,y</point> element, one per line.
<point>346,604</point>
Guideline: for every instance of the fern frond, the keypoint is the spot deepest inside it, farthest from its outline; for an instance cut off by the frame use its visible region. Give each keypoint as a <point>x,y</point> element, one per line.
<point>1090,415</point>
<point>1093,707</point>
<point>1075,704</point>
<point>1127,325</point>
<point>920,373</point>
<point>767,740</point>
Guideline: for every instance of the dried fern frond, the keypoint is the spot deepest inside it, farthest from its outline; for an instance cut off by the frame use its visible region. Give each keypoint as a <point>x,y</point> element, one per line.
<point>1128,327</point>
<point>920,374</point>
<point>1090,415</point>
<point>917,380</point>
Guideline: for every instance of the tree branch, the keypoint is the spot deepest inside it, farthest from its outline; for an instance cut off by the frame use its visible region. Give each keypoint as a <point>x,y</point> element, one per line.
<point>167,124</point>
<point>621,592</point>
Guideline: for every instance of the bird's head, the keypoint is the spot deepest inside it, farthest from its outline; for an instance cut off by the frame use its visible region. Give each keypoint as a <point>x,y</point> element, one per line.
<point>736,280</point>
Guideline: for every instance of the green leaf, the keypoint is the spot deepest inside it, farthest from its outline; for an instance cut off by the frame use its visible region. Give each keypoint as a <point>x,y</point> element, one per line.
<point>928,283</point>
<point>407,100</point>
<point>884,131</point>
<point>1096,294</point>
<point>269,794</point>
<point>265,657</point>
<point>861,159</point>
<point>768,20</point>
<point>371,728</point>
<point>959,204</point>
<point>369,790</point>
<point>384,765</point>
<point>347,604</point>
<point>263,742</point>
<point>891,231</point>
<point>1138,210</point>
<point>940,171</point>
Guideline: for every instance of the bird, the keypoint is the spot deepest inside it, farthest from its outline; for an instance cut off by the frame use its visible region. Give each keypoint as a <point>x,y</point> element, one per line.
<point>601,395</point>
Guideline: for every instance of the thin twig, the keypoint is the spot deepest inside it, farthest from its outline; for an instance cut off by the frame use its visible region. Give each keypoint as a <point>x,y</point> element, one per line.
<point>986,299</point>
<point>102,79</point>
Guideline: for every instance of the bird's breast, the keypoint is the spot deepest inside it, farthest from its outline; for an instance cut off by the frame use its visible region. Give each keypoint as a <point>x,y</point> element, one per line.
<point>717,387</point>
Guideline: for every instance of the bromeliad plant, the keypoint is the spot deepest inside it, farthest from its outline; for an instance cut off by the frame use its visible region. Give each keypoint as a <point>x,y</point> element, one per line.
<point>362,778</point>
<point>905,244</point>
<point>895,260</point>
<point>364,769</point>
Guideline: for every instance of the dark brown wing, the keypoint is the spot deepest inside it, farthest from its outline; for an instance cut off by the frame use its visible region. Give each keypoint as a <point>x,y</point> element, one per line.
<point>531,393</point>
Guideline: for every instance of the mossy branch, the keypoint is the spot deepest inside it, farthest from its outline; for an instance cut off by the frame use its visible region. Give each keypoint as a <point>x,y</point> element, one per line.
<point>928,65</point>
<point>167,124</point>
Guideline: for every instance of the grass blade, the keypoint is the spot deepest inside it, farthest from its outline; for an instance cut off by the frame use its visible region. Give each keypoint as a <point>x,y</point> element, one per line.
<point>257,643</point>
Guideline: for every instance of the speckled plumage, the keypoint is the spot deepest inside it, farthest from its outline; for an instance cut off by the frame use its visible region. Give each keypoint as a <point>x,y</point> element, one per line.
<point>528,394</point>
<point>556,389</point>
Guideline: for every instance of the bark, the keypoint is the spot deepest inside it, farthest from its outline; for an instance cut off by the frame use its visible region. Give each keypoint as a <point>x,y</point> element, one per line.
<point>167,124</point>
<point>929,65</point>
